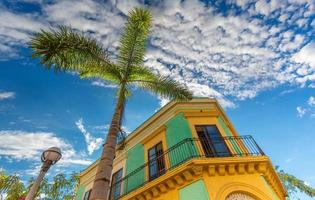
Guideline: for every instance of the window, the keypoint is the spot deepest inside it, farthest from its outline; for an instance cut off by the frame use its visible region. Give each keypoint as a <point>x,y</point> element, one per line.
<point>212,141</point>
<point>116,185</point>
<point>87,195</point>
<point>156,161</point>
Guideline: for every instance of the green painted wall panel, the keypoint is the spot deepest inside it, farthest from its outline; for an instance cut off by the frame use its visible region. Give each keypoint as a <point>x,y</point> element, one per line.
<point>194,191</point>
<point>80,193</point>
<point>228,133</point>
<point>177,129</point>
<point>135,160</point>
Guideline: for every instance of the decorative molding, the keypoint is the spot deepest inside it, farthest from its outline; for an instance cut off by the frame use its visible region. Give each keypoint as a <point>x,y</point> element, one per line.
<point>211,170</point>
<point>162,188</point>
<point>188,176</point>
<point>197,170</point>
<point>148,195</point>
<point>239,196</point>
<point>232,166</point>
<point>170,184</point>
<point>221,170</point>
<point>179,180</point>
<point>231,169</point>
<point>155,192</point>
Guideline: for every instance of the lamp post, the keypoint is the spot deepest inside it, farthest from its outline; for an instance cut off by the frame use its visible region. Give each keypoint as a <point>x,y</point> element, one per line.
<point>49,158</point>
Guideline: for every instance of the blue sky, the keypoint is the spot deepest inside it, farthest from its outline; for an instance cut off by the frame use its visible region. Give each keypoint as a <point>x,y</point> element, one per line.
<point>255,57</point>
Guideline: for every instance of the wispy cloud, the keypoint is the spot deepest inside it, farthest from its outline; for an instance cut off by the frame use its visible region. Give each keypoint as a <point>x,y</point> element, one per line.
<point>103,84</point>
<point>311,101</point>
<point>289,160</point>
<point>22,145</point>
<point>7,95</point>
<point>91,142</point>
<point>309,107</point>
<point>300,111</point>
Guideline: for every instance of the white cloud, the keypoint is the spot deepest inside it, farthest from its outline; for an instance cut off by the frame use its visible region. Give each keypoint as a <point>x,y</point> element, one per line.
<point>91,142</point>
<point>311,101</point>
<point>24,22</point>
<point>306,55</point>
<point>265,8</point>
<point>21,145</point>
<point>301,111</point>
<point>100,20</point>
<point>286,92</point>
<point>230,57</point>
<point>308,108</point>
<point>15,31</point>
<point>100,83</point>
<point>7,95</point>
<point>163,101</point>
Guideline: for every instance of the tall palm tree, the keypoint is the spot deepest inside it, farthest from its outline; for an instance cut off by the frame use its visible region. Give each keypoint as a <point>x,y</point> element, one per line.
<point>67,50</point>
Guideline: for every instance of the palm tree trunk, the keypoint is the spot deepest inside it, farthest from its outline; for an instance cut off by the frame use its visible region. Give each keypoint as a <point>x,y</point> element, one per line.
<point>101,187</point>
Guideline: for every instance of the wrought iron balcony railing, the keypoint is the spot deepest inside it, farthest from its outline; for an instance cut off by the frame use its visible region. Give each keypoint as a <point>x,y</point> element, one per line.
<point>187,149</point>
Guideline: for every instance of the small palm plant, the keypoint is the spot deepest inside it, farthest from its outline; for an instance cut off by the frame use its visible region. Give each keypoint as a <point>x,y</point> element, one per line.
<point>67,50</point>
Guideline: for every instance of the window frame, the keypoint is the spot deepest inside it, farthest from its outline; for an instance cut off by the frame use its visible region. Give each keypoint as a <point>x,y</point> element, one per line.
<point>87,195</point>
<point>112,193</point>
<point>159,161</point>
<point>210,143</point>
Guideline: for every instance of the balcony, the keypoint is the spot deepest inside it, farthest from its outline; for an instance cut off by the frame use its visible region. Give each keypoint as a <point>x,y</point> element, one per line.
<point>182,152</point>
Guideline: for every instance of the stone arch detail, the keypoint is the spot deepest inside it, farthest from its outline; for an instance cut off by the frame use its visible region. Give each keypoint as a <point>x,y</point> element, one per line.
<point>239,196</point>
<point>243,188</point>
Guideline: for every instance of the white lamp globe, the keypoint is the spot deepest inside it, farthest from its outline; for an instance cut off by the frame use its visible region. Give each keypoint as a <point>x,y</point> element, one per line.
<point>53,154</point>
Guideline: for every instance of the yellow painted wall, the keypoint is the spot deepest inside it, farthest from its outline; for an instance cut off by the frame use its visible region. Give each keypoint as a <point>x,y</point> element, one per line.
<point>153,132</point>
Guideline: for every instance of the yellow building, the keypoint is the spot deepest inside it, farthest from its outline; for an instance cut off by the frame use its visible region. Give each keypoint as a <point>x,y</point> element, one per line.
<point>188,151</point>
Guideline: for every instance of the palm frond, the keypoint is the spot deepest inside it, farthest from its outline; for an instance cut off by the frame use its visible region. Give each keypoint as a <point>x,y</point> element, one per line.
<point>133,41</point>
<point>64,49</point>
<point>292,184</point>
<point>141,73</point>
<point>144,78</point>
<point>110,72</point>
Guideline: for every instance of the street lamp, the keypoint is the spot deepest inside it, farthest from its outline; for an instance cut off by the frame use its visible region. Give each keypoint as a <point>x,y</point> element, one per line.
<point>49,158</point>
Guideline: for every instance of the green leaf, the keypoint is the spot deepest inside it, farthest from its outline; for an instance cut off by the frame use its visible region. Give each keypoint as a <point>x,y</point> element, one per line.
<point>110,72</point>
<point>163,86</point>
<point>133,40</point>
<point>66,50</point>
<point>11,186</point>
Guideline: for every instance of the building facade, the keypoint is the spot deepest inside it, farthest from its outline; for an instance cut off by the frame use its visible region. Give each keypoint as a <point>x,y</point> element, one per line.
<point>188,151</point>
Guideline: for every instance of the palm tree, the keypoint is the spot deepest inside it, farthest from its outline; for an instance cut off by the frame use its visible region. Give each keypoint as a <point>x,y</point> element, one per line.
<point>67,50</point>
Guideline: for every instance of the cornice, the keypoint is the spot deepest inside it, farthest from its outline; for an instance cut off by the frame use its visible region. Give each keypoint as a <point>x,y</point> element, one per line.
<point>199,167</point>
